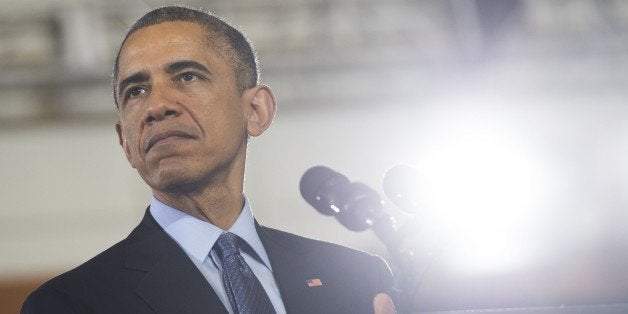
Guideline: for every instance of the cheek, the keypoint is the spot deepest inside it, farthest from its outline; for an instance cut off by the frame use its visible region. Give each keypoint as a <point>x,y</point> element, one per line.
<point>229,124</point>
<point>129,123</point>
<point>131,142</point>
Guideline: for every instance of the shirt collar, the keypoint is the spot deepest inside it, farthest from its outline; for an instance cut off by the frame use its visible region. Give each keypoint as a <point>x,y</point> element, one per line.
<point>197,237</point>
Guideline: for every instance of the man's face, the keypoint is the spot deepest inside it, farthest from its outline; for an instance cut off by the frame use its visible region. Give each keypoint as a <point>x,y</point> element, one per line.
<point>182,119</point>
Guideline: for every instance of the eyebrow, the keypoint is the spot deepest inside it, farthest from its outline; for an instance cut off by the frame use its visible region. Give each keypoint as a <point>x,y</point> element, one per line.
<point>134,78</point>
<point>185,64</point>
<point>171,68</point>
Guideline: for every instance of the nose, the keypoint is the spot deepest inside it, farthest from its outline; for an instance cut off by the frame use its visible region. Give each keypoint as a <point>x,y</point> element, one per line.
<point>162,104</point>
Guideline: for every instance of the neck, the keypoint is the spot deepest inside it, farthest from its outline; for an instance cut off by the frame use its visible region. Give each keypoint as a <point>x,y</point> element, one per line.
<point>218,201</point>
<point>218,198</point>
<point>219,206</point>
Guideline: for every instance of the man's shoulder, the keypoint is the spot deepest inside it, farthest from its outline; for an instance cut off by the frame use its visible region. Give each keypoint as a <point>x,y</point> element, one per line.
<point>104,267</point>
<point>73,291</point>
<point>324,276</point>
<point>307,246</point>
<point>97,268</point>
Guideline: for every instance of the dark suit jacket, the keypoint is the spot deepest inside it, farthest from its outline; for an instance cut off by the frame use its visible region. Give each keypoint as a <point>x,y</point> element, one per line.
<point>149,273</point>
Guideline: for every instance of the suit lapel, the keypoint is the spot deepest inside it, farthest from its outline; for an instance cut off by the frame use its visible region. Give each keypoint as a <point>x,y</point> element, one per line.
<point>292,270</point>
<point>172,283</point>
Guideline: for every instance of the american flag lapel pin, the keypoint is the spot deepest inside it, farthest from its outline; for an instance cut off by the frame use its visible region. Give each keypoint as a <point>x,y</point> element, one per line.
<point>314,282</point>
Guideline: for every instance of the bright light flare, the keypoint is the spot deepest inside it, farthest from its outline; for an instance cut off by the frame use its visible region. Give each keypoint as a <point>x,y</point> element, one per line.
<point>481,187</point>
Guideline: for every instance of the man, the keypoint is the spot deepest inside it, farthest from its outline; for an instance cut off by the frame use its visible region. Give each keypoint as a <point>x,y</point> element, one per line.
<point>186,87</point>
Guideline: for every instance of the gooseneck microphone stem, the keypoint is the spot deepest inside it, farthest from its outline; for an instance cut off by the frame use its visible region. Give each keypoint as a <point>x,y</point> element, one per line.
<point>406,278</point>
<point>358,207</point>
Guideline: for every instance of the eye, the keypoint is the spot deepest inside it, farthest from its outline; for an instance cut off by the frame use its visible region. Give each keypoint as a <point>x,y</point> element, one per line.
<point>135,92</point>
<point>188,77</point>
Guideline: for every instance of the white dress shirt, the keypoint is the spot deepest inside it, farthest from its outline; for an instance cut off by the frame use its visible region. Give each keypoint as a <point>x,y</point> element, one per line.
<point>197,237</point>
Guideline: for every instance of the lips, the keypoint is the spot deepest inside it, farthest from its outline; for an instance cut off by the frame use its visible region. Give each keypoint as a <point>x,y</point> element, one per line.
<point>155,138</point>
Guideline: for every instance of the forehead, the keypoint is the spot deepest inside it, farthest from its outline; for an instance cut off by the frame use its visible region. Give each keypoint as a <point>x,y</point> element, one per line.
<point>153,46</point>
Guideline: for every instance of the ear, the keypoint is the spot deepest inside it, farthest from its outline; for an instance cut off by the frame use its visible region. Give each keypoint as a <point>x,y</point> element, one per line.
<point>260,109</point>
<point>123,143</point>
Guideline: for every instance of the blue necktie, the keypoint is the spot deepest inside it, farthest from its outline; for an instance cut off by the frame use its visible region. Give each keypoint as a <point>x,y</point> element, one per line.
<point>246,294</point>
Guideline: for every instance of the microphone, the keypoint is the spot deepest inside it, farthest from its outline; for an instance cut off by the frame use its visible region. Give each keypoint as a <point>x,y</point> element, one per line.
<point>401,185</point>
<point>358,207</point>
<point>322,188</point>
<point>355,205</point>
<point>361,207</point>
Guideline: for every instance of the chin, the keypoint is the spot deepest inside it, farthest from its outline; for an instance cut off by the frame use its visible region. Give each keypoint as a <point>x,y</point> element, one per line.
<point>174,181</point>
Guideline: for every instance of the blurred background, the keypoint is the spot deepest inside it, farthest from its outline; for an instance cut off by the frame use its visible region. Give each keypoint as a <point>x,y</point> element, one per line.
<point>513,112</point>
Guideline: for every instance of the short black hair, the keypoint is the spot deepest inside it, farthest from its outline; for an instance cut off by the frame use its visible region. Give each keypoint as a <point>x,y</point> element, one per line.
<point>229,42</point>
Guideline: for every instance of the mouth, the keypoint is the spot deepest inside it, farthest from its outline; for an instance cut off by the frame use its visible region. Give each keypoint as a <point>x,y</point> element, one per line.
<point>164,137</point>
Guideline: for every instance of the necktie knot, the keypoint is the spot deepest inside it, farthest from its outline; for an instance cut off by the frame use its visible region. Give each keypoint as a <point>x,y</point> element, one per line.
<point>227,244</point>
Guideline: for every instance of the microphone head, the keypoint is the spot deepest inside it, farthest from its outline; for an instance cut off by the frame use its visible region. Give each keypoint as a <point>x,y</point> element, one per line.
<point>402,185</point>
<point>320,188</point>
<point>361,207</point>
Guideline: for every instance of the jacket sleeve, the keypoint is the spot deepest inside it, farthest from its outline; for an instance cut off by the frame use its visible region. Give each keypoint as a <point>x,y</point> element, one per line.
<point>385,278</point>
<point>52,302</point>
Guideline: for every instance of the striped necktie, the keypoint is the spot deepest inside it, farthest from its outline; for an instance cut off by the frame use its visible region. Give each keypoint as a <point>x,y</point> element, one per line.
<point>246,294</point>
